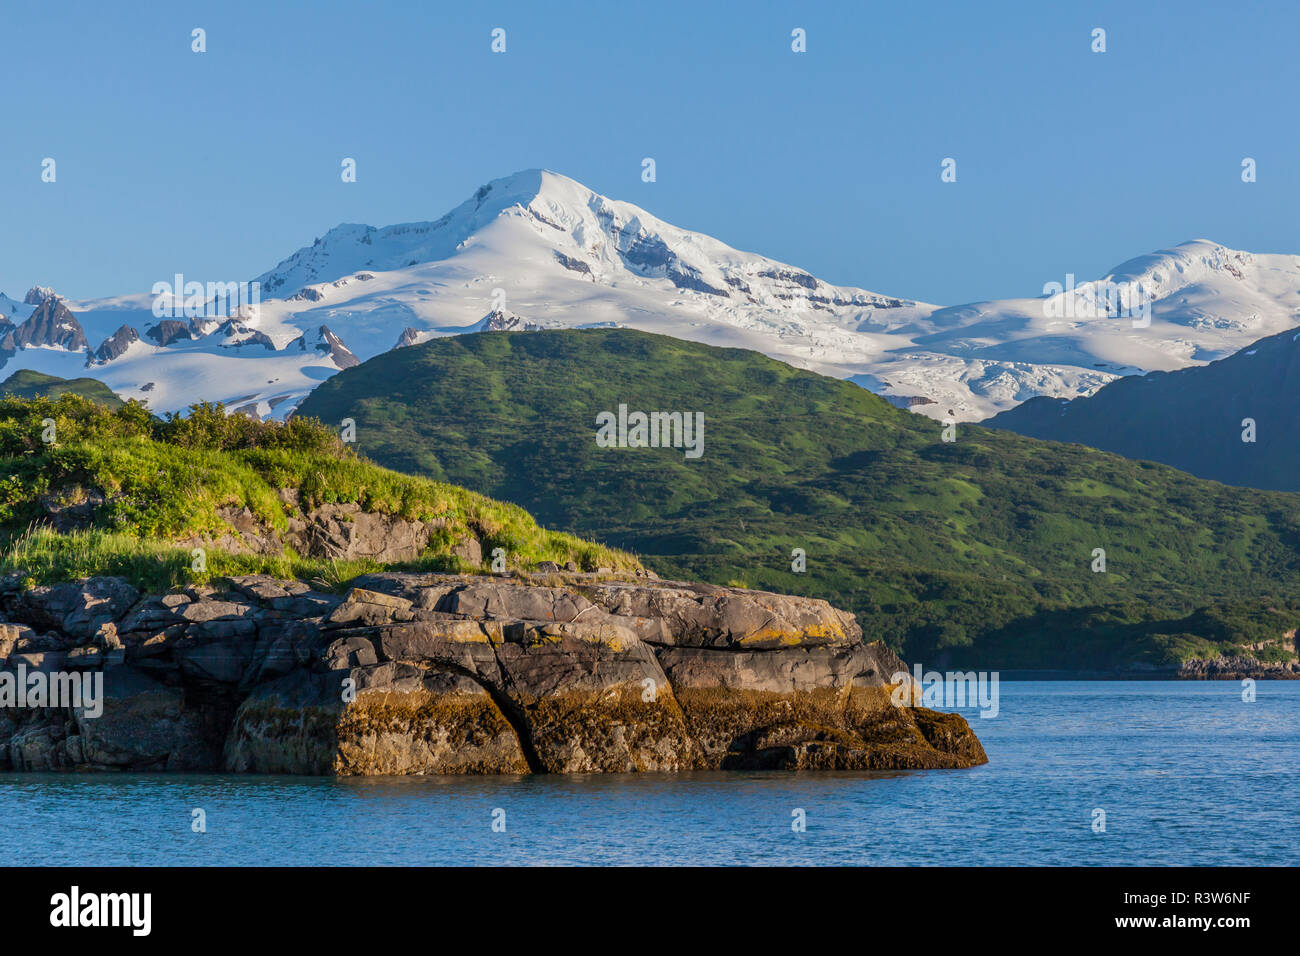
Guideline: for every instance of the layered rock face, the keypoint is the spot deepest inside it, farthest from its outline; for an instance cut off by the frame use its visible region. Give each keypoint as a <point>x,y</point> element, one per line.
<point>432,674</point>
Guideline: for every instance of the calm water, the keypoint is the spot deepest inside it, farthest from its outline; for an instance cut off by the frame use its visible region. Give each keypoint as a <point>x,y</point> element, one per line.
<point>1186,772</point>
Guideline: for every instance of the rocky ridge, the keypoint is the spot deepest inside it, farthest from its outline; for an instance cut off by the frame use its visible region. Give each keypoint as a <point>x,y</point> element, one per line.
<point>436,673</point>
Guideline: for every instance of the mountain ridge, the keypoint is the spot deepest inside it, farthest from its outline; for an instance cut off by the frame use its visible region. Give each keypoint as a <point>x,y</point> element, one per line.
<point>1231,421</point>
<point>550,252</point>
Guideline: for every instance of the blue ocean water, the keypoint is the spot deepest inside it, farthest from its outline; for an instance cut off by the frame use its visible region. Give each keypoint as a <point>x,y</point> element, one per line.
<point>1187,773</point>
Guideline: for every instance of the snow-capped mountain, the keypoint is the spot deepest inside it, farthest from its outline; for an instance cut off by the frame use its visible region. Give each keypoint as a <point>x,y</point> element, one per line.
<point>538,250</point>
<point>174,362</point>
<point>1205,302</point>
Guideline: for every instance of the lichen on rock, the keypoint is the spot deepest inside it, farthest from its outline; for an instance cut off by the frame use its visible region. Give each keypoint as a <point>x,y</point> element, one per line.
<point>437,674</point>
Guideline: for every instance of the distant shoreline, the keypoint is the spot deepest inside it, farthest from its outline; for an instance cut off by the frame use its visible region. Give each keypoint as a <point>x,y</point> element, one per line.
<point>1162,674</point>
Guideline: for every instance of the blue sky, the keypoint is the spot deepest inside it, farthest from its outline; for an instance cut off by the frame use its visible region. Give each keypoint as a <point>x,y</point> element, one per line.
<point>219,165</point>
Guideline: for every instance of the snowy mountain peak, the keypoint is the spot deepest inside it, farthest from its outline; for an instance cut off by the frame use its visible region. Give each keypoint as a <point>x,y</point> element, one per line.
<point>589,235</point>
<point>351,247</point>
<point>1168,270</point>
<point>51,325</point>
<point>114,346</point>
<point>38,295</point>
<point>538,250</point>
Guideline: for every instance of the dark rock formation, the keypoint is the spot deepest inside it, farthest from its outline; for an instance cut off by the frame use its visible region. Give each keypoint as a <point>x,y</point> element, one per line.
<point>329,345</point>
<point>574,265</point>
<point>169,330</point>
<point>1237,668</point>
<point>499,320</point>
<point>52,324</point>
<point>428,673</point>
<point>796,276</point>
<point>408,338</point>
<point>115,345</point>
<point>344,531</point>
<point>39,295</point>
<point>239,334</point>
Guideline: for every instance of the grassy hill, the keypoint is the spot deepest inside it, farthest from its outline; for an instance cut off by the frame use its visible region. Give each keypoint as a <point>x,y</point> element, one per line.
<point>978,551</point>
<point>153,484</point>
<point>28,384</point>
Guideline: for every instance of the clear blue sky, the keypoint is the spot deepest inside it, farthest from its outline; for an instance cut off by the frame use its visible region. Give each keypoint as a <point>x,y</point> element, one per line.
<point>218,165</point>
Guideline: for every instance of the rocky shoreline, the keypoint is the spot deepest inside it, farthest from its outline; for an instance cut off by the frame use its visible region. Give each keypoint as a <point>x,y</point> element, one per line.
<point>1219,668</point>
<point>439,673</point>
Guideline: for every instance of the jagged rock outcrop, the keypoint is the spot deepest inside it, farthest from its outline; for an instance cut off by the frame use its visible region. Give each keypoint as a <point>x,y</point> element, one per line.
<point>113,346</point>
<point>503,320</point>
<point>52,325</point>
<point>411,337</point>
<point>329,345</point>
<point>345,531</point>
<point>170,330</point>
<point>237,334</point>
<point>574,265</point>
<point>39,295</point>
<point>430,673</point>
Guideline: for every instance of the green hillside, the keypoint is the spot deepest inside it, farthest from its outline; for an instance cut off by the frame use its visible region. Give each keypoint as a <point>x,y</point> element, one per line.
<point>977,551</point>
<point>140,491</point>
<point>1234,420</point>
<point>28,384</point>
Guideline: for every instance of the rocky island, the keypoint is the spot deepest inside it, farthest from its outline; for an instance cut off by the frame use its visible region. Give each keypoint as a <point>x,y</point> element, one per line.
<point>255,597</point>
<point>437,673</point>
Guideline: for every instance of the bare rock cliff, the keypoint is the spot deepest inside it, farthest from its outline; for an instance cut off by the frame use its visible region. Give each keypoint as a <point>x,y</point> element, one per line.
<point>429,673</point>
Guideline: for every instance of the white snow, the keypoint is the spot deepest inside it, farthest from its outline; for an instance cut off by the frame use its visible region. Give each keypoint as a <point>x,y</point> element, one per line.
<point>547,252</point>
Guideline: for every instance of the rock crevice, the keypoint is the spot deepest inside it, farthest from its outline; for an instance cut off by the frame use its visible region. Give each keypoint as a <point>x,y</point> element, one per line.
<point>438,673</point>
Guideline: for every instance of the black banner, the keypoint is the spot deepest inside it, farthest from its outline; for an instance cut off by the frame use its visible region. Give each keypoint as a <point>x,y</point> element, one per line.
<point>220,905</point>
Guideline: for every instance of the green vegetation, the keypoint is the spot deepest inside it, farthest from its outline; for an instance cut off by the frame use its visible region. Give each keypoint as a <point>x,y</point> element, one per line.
<point>42,555</point>
<point>28,384</point>
<point>145,489</point>
<point>976,552</point>
<point>1194,418</point>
